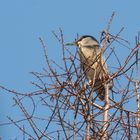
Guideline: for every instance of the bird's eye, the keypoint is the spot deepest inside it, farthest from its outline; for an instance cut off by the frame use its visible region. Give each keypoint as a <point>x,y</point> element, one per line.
<point>78,43</point>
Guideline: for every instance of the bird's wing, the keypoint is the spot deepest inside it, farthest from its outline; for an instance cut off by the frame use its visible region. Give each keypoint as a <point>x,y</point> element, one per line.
<point>99,89</point>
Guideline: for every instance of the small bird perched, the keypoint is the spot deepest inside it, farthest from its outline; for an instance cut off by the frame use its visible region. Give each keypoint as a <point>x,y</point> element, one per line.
<point>92,63</point>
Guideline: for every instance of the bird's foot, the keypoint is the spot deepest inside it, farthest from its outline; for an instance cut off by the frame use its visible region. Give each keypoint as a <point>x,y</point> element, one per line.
<point>90,83</point>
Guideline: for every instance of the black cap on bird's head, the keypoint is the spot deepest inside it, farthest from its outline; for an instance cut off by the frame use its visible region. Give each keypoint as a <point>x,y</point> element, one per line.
<point>84,39</point>
<point>87,36</point>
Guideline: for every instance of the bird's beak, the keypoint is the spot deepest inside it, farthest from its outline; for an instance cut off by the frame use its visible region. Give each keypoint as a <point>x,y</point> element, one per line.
<point>71,44</point>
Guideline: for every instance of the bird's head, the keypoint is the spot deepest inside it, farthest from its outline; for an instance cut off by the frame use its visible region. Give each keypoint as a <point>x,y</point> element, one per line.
<point>85,40</point>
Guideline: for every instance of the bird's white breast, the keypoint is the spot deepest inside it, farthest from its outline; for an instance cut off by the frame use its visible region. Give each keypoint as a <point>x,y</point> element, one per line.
<point>90,60</point>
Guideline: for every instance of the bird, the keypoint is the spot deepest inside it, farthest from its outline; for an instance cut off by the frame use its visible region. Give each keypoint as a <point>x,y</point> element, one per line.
<point>93,63</point>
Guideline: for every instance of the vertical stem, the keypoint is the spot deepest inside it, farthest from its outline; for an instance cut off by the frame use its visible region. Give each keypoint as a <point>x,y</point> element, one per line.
<point>74,131</point>
<point>58,135</point>
<point>138,131</point>
<point>138,97</point>
<point>128,122</point>
<point>105,121</point>
<point>75,116</point>
<point>88,137</point>
<point>93,124</point>
<point>88,128</point>
<point>106,111</point>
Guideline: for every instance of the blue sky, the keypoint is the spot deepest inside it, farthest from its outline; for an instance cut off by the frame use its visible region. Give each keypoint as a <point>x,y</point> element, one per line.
<point>22,22</point>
